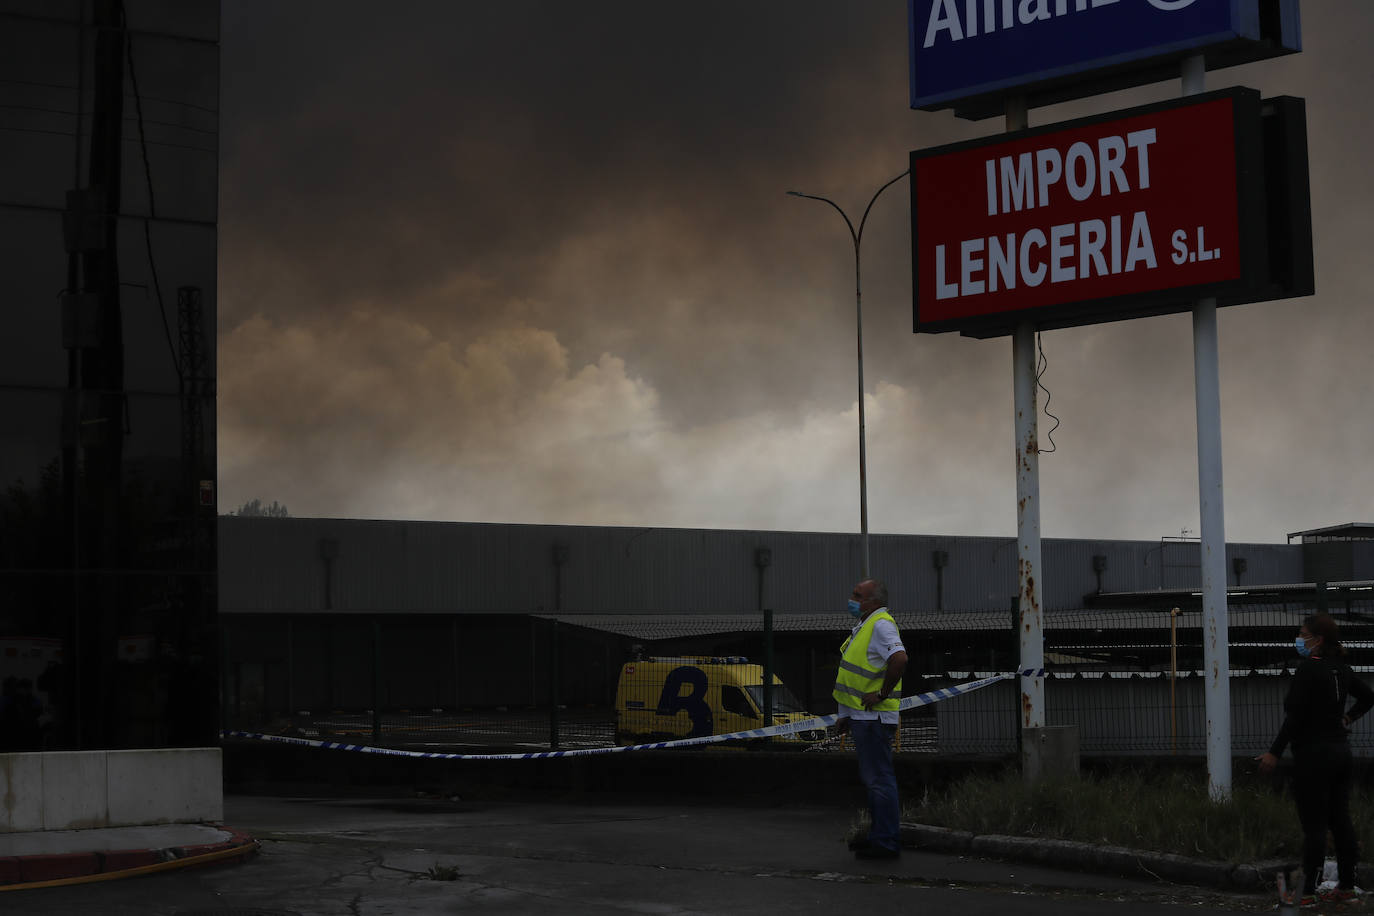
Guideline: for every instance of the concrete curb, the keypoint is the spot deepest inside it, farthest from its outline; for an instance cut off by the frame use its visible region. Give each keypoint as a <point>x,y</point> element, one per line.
<point>19,871</point>
<point>1113,860</point>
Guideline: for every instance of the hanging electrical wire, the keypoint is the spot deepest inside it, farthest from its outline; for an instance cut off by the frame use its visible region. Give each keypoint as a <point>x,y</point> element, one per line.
<point>48,109</point>
<point>152,204</point>
<point>146,98</point>
<point>1040,366</point>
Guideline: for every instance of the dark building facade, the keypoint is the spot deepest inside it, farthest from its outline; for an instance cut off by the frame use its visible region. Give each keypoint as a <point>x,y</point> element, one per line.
<point>108,206</point>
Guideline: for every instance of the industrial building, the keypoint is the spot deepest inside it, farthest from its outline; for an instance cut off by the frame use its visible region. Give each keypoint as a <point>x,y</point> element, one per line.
<point>398,617</point>
<point>357,566</point>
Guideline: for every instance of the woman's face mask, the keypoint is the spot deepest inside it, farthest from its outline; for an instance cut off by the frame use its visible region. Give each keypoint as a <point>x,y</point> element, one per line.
<point>1304,646</point>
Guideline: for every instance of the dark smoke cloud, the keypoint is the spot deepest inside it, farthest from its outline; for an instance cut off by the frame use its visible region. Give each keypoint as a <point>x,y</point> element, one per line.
<point>533,262</point>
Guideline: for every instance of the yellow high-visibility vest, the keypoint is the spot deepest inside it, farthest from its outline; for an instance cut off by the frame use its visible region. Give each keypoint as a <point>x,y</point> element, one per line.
<point>855,678</point>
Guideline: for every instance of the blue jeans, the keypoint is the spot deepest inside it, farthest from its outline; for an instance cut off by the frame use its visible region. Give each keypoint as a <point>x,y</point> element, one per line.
<point>873,744</point>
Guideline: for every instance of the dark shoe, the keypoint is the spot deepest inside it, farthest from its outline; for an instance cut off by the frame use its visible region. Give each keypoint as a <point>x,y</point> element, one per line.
<point>876,852</point>
<point>859,842</point>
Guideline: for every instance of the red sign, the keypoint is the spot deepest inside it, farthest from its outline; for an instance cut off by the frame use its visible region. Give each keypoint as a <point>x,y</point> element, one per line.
<point>1140,212</point>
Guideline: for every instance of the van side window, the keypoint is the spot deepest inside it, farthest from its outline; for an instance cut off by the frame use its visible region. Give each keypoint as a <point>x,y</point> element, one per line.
<point>732,699</point>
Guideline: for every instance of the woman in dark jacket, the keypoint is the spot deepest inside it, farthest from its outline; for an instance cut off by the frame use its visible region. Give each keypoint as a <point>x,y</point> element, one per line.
<point>1316,724</point>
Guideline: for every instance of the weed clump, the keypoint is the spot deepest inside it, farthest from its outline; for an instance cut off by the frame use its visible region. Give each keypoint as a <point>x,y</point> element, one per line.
<point>1168,811</point>
<point>437,872</point>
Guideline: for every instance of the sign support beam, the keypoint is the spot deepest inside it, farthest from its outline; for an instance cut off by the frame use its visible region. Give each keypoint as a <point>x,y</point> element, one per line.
<point>1216,641</point>
<point>1029,630</point>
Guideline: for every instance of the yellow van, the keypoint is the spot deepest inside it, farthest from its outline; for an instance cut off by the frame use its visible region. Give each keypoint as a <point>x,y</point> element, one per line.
<point>659,699</point>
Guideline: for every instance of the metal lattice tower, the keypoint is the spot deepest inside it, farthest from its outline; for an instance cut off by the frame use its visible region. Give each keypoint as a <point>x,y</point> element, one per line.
<point>191,359</point>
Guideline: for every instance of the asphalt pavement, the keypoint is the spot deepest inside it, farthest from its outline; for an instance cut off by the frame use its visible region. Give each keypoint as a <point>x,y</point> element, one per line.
<point>419,855</point>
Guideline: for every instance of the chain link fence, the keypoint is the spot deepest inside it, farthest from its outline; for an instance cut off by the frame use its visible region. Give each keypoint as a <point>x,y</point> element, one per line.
<point>1131,680</point>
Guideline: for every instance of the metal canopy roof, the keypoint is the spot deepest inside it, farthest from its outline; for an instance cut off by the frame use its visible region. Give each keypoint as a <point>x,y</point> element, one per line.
<point>1236,596</point>
<point>650,626</point>
<point>1345,532</point>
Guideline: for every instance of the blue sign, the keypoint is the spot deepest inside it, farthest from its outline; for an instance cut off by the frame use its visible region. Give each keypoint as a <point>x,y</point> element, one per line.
<point>971,55</point>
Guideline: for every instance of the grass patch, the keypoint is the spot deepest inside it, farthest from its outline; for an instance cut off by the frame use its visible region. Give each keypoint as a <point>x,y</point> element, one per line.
<point>439,872</point>
<point>1167,811</point>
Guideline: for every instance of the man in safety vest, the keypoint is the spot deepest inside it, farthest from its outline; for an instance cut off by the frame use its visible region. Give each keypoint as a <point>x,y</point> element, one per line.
<point>868,687</point>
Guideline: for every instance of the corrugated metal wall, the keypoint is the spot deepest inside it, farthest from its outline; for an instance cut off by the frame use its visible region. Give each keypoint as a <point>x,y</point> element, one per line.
<point>1362,559</point>
<point>359,566</point>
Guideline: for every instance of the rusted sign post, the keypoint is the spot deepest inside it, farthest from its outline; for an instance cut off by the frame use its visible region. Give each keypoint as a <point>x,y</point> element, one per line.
<point>1215,641</point>
<point>1029,629</point>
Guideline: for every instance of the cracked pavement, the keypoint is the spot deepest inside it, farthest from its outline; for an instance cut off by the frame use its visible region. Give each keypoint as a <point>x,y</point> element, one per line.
<point>365,856</point>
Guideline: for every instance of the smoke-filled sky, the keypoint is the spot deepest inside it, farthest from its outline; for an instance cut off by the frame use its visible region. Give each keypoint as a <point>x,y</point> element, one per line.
<point>533,262</point>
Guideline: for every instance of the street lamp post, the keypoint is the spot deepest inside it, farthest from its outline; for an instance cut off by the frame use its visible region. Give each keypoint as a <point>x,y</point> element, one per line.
<point>857,236</point>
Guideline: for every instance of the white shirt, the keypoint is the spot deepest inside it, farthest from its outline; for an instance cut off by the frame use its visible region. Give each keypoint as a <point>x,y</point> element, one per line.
<point>886,640</point>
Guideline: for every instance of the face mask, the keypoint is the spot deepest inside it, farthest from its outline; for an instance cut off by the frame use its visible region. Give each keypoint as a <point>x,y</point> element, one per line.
<point>1303,648</point>
<point>854,608</point>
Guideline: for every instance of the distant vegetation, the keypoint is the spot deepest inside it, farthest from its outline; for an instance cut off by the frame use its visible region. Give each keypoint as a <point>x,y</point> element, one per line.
<point>258,510</point>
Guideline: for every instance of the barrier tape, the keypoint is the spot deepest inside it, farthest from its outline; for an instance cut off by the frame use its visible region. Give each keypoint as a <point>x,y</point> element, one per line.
<point>911,702</point>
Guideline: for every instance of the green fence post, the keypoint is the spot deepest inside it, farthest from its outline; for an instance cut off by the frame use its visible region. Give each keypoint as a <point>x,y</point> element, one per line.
<point>767,667</point>
<point>553,685</point>
<point>763,557</point>
<point>376,682</point>
<point>225,720</point>
<point>290,670</point>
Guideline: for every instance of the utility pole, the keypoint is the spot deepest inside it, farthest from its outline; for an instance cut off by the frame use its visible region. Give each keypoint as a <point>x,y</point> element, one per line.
<point>93,425</point>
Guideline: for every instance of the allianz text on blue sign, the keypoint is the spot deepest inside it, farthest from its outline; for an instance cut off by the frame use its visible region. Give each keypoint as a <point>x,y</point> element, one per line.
<point>967,48</point>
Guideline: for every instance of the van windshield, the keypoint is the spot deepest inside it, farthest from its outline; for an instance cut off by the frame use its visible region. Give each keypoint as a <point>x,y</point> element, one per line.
<point>783,699</point>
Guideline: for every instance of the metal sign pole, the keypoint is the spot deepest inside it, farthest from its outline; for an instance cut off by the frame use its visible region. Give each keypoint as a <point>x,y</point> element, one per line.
<point>1029,631</point>
<point>1216,660</point>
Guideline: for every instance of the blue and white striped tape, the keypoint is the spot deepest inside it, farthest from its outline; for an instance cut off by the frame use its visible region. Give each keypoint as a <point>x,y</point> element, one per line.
<point>911,702</point>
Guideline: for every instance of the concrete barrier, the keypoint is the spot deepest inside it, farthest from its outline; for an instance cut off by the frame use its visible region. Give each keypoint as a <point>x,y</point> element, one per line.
<point>74,790</point>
